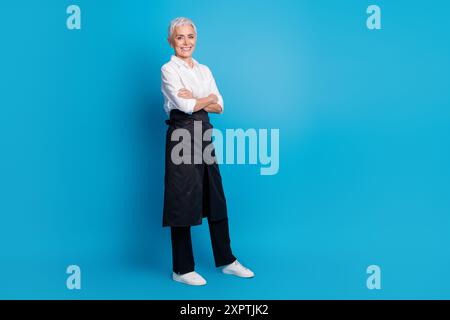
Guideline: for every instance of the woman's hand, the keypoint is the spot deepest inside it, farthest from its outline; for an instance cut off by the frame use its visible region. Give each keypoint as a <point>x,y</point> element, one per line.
<point>213,108</point>
<point>214,98</point>
<point>185,93</point>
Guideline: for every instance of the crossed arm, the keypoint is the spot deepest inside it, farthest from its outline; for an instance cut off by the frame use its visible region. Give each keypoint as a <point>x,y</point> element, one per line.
<point>209,103</point>
<point>174,90</point>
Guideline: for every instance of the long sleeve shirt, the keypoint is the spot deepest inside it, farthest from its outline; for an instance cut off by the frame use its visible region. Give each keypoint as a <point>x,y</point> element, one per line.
<point>177,74</point>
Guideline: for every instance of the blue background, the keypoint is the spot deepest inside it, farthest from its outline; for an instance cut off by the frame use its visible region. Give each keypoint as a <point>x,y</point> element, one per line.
<point>364,123</point>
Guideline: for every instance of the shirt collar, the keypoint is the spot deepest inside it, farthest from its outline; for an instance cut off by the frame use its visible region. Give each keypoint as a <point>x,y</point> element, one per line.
<point>180,62</point>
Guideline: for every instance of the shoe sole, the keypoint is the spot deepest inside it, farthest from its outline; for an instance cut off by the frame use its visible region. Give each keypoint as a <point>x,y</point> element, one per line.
<point>187,283</point>
<point>234,274</point>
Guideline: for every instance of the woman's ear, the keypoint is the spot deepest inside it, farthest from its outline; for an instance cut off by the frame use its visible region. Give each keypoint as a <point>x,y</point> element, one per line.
<point>170,42</point>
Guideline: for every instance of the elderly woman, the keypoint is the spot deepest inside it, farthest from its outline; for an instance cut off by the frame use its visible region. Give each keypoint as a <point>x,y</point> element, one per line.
<point>192,189</point>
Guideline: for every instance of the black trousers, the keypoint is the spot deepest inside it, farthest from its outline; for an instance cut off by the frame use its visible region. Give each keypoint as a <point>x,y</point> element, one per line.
<point>182,255</point>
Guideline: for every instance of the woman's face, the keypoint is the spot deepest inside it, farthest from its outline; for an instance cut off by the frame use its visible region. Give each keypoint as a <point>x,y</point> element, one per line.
<point>183,41</point>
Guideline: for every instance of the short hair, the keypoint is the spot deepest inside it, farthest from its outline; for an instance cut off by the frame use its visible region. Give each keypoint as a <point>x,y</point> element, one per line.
<point>180,21</point>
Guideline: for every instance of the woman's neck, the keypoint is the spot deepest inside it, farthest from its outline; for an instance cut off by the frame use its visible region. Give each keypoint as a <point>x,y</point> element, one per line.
<point>188,61</point>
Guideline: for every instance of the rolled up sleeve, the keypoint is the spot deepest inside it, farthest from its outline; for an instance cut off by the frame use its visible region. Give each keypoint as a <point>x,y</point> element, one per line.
<point>170,85</point>
<point>214,89</point>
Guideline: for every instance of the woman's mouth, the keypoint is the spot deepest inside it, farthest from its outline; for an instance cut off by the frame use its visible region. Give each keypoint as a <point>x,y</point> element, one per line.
<point>186,49</point>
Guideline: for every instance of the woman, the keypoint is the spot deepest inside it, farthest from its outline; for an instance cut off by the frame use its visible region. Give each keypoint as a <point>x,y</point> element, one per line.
<point>193,189</point>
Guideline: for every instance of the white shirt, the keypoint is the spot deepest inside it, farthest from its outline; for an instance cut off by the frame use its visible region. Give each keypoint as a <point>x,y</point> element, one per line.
<point>176,74</point>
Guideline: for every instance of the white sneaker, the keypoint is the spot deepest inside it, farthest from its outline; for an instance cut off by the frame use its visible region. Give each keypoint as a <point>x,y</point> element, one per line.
<point>192,278</point>
<point>238,269</point>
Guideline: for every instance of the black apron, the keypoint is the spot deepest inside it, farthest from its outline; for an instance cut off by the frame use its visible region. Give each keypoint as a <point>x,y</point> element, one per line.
<point>191,191</point>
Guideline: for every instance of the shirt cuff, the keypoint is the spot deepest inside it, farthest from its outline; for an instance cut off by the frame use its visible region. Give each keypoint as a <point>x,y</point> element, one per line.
<point>190,105</point>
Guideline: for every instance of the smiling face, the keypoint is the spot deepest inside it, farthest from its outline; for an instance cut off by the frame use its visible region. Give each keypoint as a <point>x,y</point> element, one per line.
<point>183,41</point>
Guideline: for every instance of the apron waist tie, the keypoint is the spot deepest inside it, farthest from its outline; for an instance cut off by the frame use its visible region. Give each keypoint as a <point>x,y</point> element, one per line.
<point>180,116</point>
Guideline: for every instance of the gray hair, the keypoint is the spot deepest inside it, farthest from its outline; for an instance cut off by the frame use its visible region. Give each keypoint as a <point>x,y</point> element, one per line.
<point>180,21</point>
